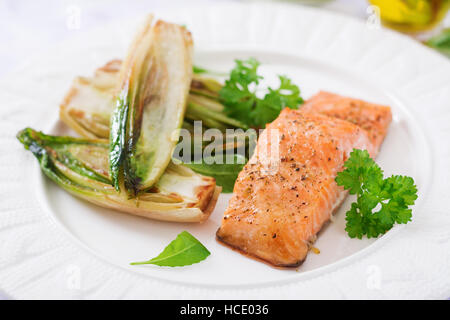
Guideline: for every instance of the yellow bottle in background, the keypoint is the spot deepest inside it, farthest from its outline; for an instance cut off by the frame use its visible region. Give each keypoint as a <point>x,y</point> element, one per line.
<point>412,15</point>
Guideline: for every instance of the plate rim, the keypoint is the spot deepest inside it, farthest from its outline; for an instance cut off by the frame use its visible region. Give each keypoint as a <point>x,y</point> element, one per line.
<point>40,179</point>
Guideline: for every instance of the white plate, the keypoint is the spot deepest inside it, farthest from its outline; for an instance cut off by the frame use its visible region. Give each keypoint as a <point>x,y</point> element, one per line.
<point>54,245</point>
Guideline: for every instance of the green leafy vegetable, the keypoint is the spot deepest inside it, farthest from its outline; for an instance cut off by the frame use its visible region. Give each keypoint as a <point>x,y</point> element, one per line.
<point>80,166</point>
<point>380,202</point>
<point>89,105</point>
<point>201,112</point>
<point>441,42</point>
<point>240,100</point>
<point>183,251</point>
<point>154,87</point>
<point>224,173</point>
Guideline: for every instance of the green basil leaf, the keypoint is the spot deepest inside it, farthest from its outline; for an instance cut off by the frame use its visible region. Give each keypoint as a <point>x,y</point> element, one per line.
<point>225,173</point>
<point>183,251</point>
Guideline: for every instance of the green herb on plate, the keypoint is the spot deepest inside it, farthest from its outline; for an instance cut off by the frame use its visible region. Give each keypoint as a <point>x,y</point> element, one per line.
<point>224,173</point>
<point>380,202</point>
<point>183,251</point>
<point>240,99</point>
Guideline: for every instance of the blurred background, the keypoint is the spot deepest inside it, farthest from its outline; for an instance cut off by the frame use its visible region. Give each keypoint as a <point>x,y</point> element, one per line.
<point>29,27</point>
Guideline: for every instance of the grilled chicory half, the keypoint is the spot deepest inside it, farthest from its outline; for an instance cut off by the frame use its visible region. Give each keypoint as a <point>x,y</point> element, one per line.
<point>80,166</point>
<point>154,85</point>
<point>89,103</point>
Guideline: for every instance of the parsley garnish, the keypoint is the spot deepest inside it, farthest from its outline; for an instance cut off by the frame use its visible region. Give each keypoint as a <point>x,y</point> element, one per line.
<point>380,202</point>
<point>240,100</point>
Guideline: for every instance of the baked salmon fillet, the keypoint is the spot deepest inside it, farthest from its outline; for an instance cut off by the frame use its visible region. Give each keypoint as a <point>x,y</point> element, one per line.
<point>373,118</point>
<point>279,206</point>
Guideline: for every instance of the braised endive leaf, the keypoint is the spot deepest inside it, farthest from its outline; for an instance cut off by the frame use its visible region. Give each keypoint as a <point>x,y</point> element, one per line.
<point>183,251</point>
<point>80,166</point>
<point>154,85</point>
<point>88,104</point>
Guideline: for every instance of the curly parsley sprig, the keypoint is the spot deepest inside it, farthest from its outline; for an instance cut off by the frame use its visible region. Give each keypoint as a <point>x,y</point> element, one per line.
<point>240,100</point>
<point>380,202</point>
